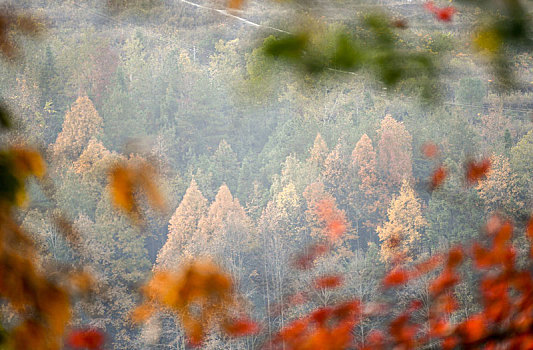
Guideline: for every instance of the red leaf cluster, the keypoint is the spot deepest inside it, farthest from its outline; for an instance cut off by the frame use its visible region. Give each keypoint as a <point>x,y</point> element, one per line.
<point>475,171</point>
<point>86,339</point>
<point>328,328</point>
<point>240,327</point>
<point>400,275</point>
<point>444,14</point>
<point>437,178</point>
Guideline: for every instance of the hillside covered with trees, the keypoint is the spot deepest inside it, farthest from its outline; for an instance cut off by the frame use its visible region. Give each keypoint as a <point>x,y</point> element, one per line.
<point>316,152</point>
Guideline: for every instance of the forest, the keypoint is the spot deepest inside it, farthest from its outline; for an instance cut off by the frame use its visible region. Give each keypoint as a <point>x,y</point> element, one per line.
<point>295,174</point>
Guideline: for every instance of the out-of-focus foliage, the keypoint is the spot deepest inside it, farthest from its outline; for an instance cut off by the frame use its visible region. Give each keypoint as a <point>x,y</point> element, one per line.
<point>377,44</point>
<point>42,305</point>
<point>375,47</point>
<point>202,296</point>
<point>14,23</point>
<point>126,179</point>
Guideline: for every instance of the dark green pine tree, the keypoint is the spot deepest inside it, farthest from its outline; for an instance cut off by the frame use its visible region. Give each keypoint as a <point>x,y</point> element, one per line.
<point>121,122</point>
<point>225,166</point>
<point>453,215</point>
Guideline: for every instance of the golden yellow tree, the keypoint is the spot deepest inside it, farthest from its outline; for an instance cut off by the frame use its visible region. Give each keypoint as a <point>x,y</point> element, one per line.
<point>400,235</point>
<point>182,226</point>
<point>81,124</point>
<point>500,190</point>
<point>319,152</point>
<point>94,162</point>
<point>395,151</point>
<point>372,197</point>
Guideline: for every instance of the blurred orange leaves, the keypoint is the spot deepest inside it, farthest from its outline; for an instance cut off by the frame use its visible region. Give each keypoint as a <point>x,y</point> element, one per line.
<point>235,4</point>
<point>126,179</point>
<point>42,305</point>
<point>201,294</point>
<point>333,218</point>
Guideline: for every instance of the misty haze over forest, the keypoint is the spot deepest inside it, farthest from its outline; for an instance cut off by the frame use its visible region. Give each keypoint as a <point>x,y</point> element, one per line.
<point>305,148</point>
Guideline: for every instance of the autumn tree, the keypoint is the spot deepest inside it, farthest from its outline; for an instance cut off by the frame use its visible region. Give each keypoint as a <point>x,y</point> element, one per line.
<point>222,211</point>
<point>316,196</point>
<point>295,172</point>
<point>122,263</point>
<point>281,235</point>
<point>313,167</point>
<point>371,194</point>
<point>394,151</point>
<point>94,162</point>
<point>401,234</point>
<point>500,190</point>
<point>222,232</point>
<point>182,226</point>
<point>82,122</point>
<point>337,177</point>
<point>318,152</point>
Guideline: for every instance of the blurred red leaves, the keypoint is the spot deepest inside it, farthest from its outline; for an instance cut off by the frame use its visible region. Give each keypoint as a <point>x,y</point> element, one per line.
<point>90,338</point>
<point>328,328</point>
<point>326,282</point>
<point>399,275</point>
<point>476,170</point>
<point>444,14</point>
<point>306,259</point>
<point>396,277</point>
<point>403,332</point>
<point>472,329</point>
<point>438,177</point>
